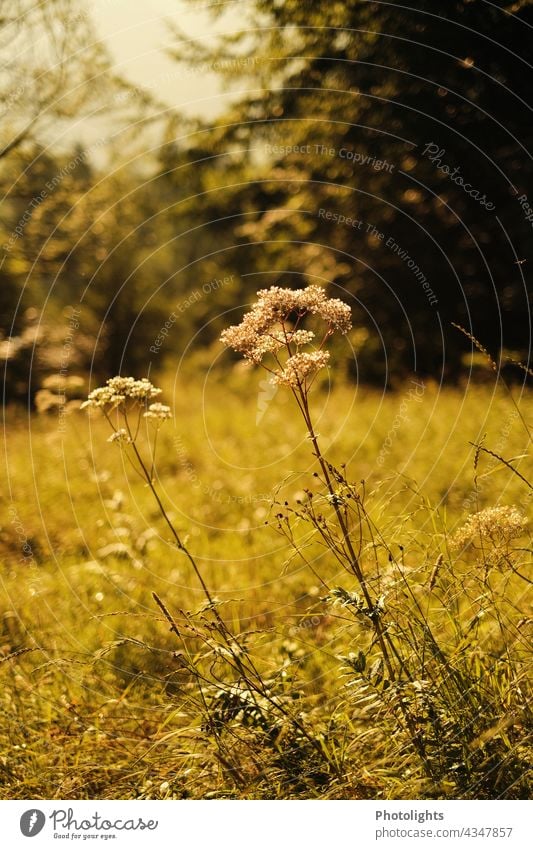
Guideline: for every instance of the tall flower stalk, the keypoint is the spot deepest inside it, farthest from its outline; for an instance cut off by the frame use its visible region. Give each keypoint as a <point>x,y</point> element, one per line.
<point>271,336</point>
<point>430,693</point>
<point>125,402</point>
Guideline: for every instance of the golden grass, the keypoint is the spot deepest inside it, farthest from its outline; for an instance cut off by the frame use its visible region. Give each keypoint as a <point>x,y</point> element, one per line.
<point>94,700</point>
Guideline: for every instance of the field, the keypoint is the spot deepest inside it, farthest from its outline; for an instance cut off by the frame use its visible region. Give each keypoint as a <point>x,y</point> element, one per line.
<point>100,698</point>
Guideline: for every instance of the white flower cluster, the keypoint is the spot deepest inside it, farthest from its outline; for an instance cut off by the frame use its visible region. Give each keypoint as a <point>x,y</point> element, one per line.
<point>121,436</point>
<point>300,337</point>
<point>158,411</point>
<point>300,367</point>
<point>495,525</point>
<point>259,332</point>
<point>120,389</point>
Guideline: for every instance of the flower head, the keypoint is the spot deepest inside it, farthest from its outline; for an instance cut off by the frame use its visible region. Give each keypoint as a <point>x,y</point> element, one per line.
<point>491,529</point>
<point>121,436</point>
<point>120,389</point>
<point>272,326</point>
<point>158,411</point>
<point>300,367</point>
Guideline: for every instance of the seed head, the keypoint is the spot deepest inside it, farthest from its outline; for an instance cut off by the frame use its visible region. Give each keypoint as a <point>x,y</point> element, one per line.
<point>495,526</point>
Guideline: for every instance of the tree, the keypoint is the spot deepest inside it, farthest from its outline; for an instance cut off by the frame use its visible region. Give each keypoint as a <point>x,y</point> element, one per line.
<point>55,74</point>
<point>389,148</point>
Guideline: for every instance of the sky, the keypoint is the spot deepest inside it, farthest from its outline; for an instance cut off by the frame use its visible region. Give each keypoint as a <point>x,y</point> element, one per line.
<point>135,33</point>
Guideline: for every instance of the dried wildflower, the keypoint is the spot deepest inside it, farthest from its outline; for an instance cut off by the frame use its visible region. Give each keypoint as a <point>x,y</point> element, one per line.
<point>276,304</point>
<point>121,436</point>
<point>272,327</point>
<point>102,397</point>
<point>158,411</point>
<point>264,329</point>
<point>494,526</point>
<point>300,367</point>
<point>300,337</point>
<point>120,389</point>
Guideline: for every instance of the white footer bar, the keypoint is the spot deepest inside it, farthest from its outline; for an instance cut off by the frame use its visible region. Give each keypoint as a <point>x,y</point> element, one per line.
<point>226,824</point>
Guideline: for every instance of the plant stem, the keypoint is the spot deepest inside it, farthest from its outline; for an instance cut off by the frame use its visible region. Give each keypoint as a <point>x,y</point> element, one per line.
<point>171,527</point>
<point>354,560</point>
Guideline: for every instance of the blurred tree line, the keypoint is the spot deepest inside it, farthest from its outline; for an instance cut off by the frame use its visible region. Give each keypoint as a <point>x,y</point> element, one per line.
<point>382,151</point>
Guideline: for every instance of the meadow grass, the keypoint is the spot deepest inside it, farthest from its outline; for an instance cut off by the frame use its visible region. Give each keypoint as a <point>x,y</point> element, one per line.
<point>100,698</point>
